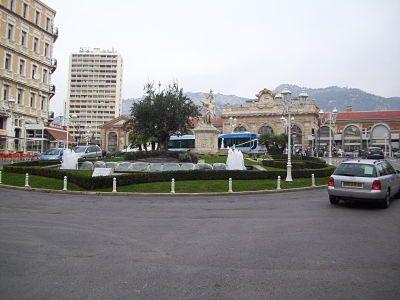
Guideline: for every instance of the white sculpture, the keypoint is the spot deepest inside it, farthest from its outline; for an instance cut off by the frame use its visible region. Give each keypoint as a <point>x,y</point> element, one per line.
<point>209,108</point>
<point>235,160</point>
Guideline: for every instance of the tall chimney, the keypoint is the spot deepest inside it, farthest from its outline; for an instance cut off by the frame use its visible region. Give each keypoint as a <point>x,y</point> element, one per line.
<point>349,108</point>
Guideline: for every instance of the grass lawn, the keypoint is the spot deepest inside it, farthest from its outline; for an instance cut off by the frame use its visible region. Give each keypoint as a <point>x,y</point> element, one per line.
<point>37,182</point>
<point>202,186</point>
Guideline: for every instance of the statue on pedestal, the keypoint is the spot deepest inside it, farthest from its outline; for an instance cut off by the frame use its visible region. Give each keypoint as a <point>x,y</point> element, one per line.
<point>209,108</point>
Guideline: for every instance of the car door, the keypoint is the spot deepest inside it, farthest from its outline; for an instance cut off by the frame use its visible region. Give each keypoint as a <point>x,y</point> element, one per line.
<point>395,178</point>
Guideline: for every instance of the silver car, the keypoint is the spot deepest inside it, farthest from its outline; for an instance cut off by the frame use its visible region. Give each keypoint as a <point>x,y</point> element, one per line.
<point>363,179</point>
<point>90,151</point>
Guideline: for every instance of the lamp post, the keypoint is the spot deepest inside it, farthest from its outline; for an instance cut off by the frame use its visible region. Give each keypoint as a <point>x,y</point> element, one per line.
<point>386,138</point>
<point>285,99</point>
<point>330,120</point>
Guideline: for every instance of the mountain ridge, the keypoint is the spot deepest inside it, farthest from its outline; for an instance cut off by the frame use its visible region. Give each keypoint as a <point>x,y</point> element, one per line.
<point>326,98</point>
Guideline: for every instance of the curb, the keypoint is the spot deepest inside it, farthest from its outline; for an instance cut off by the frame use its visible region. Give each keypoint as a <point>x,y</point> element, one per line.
<point>310,188</point>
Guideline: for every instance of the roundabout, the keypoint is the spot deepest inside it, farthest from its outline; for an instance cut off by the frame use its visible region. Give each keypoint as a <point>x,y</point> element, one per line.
<point>282,245</point>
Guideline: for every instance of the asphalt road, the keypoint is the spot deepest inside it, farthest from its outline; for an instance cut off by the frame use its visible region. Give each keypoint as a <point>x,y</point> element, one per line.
<point>282,246</point>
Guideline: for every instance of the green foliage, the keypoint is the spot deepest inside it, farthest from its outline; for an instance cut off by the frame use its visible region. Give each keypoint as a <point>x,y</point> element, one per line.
<point>275,144</point>
<point>188,157</point>
<point>162,114</point>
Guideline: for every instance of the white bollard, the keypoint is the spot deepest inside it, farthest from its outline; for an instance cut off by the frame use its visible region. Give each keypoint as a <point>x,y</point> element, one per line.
<point>230,190</point>
<point>312,180</point>
<point>27,180</point>
<point>65,183</point>
<point>0,176</point>
<point>278,185</point>
<point>173,186</point>
<point>114,190</point>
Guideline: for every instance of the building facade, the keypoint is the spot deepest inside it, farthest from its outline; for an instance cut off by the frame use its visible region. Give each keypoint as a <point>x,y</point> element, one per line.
<point>27,34</point>
<point>264,116</point>
<point>94,91</point>
<point>114,136</point>
<point>355,130</point>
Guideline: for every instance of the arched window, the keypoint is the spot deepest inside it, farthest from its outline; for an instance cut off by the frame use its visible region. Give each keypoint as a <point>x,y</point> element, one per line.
<point>112,142</point>
<point>266,130</point>
<point>298,139</point>
<point>324,132</point>
<point>351,138</point>
<point>379,134</point>
<point>240,129</point>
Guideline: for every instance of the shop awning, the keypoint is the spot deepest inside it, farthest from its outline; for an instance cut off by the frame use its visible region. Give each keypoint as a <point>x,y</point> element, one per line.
<point>59,135</point>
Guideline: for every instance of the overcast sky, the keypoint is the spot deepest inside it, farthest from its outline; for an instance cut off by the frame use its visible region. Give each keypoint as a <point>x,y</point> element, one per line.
<point>236,47</point>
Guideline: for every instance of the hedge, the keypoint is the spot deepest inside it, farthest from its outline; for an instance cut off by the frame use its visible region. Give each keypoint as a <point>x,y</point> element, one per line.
<point>297,157</point>
<point>295,164</point>
<point>91,183</point>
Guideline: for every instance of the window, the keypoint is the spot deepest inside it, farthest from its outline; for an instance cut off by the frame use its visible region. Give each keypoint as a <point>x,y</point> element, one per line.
<point>45,73</point>
<point>23,38</point>
<point>12,2</point>
<point>34,71</point>
<point>7,62</point>
<point>47,24</point>
<point>32,100</point>
<point>46,49</point>
<point>10,32</point>
<point>25,10</point>
<point>22,67</point>
<point>20,96</point>
<point>6,92</point>
<point>356,169</point>
<point>43,103</point>
<point>35,44</point>
<point>37,17</point>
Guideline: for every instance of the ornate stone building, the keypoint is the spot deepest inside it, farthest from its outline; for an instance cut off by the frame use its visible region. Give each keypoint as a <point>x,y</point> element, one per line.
<point>264,115</point>
<point>113,135</point>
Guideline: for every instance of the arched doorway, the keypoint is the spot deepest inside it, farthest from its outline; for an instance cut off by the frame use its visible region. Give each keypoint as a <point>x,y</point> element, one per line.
<point>266,130</point>
<point>112,142</point>
<point>352,138</point>
<point>380,137</point>
<point>298,139</point>
<point>240,129</point>
<point>323,136</point>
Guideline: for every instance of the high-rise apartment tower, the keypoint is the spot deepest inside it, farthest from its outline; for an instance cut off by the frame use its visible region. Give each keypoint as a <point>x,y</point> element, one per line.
<point>94,91</point>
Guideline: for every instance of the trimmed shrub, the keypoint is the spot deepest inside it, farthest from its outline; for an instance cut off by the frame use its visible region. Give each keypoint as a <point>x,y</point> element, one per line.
<point>188,157</point>
<point>84,179</point>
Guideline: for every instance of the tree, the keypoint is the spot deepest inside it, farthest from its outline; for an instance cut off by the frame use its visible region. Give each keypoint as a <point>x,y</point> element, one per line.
<point>275,144</point>
<point>161,114</point>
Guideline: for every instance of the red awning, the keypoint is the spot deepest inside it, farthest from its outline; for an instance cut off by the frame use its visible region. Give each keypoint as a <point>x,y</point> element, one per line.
<point>60,135</point>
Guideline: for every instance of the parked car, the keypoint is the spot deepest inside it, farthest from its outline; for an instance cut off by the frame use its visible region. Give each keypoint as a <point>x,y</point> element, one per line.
<point>52,154</point>
<point>366,180</point>
<point>374,153</point>
<point>397,154</point>
<point>90,151</point>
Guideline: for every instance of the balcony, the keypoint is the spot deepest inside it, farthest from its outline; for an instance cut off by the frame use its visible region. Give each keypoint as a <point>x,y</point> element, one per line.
<point>52,91</point>
<point>55,33</point>
<point>53,65</point>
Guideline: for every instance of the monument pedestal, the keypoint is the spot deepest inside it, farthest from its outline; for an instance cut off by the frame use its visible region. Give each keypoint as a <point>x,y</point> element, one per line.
<point>206,139</point>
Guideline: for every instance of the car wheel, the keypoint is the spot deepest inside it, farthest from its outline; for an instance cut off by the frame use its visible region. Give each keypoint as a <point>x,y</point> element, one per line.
<point>334,200</point>
<point>386,201</point>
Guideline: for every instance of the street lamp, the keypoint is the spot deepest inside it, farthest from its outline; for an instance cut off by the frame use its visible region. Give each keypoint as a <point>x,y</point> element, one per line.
<point>330,120</point>
<point>386,138</point>
<point>285,98</point>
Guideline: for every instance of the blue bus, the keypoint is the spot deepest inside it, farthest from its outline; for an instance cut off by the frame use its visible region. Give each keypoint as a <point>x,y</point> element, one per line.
<point>246,142</point>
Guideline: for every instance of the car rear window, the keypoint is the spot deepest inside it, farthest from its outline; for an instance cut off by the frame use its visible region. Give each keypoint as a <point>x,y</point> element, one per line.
<point>355,170</point>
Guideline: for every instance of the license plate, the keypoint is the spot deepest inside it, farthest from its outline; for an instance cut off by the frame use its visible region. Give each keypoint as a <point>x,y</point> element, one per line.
<point>352,184</point>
